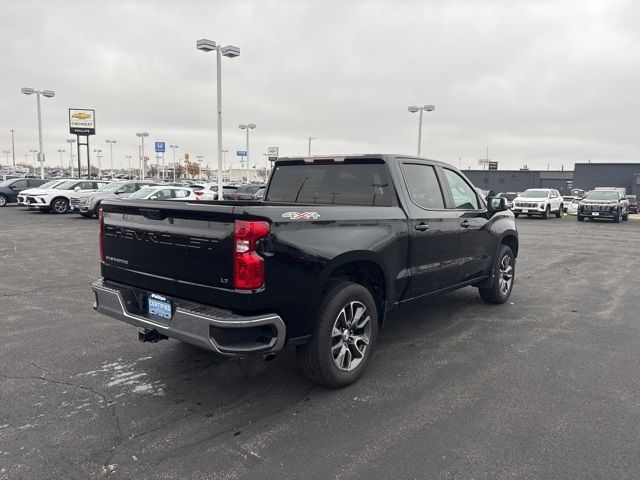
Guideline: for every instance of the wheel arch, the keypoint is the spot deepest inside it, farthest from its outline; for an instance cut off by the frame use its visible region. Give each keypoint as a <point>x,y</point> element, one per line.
<point>364,268</point>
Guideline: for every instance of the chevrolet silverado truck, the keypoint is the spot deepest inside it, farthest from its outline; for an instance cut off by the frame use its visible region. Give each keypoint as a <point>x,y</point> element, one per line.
<point>336,244</point>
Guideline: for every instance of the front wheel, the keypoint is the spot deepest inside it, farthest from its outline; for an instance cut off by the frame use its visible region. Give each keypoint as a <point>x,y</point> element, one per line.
<point>617,218</point>
<point>547,213</point>
<point>60,205</point>
<point>516,215</point>
<point>3,201</point>
<point>580,218</point>
<point>504,275</point>
<point>559,212</point>
<point>343,337</point>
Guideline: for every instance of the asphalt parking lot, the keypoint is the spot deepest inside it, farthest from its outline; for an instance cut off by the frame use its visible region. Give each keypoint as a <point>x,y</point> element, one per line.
<point>545,386</point>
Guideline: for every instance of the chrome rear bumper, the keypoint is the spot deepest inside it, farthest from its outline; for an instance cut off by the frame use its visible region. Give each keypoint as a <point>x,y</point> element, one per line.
<point>207,327</point>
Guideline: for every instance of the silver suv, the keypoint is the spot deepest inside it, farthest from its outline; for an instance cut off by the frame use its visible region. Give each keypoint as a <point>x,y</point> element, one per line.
<point>89,204</point>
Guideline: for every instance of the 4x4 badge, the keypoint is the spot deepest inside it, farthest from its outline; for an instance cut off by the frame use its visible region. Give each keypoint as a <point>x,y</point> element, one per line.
<point>301,215</point>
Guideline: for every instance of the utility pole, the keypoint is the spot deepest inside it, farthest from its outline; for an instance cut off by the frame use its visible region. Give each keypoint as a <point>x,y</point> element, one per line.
<point>13,147</point>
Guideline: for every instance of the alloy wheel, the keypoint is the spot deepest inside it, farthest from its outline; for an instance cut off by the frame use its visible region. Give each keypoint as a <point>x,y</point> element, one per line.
<point>60,206</point>
<point>505,276</point>
<point>3,200</point>
<point>350,336</point>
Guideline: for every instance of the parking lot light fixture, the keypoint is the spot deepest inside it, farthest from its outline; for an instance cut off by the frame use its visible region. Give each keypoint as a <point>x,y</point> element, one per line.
<point>414,109</point>
<point>174,147</point>
<point>98,152</point>
<point>247,127</point>
<point>33,154</point>
<point>228,51</point>
<point>143,164</point>
<point>61,151</point>
<point>48,94</point>
<point>71,141</point>
<point>111,142</point>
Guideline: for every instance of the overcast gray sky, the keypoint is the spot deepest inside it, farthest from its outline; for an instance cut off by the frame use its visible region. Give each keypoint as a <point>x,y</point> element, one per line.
<point>539,82</point>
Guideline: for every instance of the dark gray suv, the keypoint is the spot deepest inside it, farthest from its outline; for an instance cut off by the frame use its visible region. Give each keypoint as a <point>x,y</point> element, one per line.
<point>88,204</point>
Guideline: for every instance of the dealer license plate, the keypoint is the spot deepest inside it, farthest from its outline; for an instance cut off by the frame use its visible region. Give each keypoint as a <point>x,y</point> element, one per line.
<point>524,210</point>
<point>595,214</point>
<point>159,306</point>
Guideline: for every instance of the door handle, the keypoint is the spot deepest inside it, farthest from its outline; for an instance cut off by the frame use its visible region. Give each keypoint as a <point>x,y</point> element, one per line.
<point>421,227</point>
<point>465,224</point>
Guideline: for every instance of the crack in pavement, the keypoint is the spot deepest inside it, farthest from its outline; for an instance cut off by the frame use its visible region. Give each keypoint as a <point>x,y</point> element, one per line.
<point>200,445</point>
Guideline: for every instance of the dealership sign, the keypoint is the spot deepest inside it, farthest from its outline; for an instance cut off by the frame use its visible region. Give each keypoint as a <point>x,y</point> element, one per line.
<point>82,122</point>
<point>272,153</point>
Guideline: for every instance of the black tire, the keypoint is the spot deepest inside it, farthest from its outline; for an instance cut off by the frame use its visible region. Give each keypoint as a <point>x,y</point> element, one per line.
<point>559,212</point>
<point>96,210</point>
<point>60,205</point>
<point>496,293</point>
<point>625,217</point>
<point>617,218</point>
<point>516,215</point>
<point>86,214</point>
<point>3,201</point>
<point>580,218</point>
<point>547,213</point>
<point>315,357</point>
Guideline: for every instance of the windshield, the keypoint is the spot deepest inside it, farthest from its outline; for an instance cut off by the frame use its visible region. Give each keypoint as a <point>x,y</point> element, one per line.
<point>508,196</point>
<point>348,183</point>
<point>602,195</point>
<point>66,185</point>
<point>110,187</point>
<point>142,193</point>
<point>535,194</point>
<point>50,184</point>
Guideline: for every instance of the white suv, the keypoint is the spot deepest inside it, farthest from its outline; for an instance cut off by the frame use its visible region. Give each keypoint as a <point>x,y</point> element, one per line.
<point>56,199</point>
<point>538,201</point>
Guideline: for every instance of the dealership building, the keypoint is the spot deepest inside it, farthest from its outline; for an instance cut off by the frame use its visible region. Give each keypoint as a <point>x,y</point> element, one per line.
<point>586,176</point>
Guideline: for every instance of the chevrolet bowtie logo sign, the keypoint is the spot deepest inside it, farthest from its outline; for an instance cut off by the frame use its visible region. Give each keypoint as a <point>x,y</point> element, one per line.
<point>82,121</point>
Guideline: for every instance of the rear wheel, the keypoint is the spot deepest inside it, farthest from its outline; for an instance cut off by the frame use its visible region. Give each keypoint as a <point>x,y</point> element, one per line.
<point>580,218</point>
<point>60,205</point>
<point>3,201</point>
<point>516,215</point>
<point>503,274</point>
<point>343,337</point>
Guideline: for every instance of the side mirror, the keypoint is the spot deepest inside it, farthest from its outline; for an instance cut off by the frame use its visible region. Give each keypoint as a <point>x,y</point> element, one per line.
<point>497,204</point>
<point>153,197</point>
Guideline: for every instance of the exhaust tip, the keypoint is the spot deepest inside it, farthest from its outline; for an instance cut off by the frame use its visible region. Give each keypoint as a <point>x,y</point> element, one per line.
<point>269,356</point>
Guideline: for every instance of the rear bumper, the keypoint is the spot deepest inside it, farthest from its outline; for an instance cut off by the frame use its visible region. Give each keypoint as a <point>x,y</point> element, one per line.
<point>207,327</point>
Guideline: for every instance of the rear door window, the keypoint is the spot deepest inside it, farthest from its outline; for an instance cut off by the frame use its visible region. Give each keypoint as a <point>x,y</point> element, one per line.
<point>422,183</point>
<point>332,183</point>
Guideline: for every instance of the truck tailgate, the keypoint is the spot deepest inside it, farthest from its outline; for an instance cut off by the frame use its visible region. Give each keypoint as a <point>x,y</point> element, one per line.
<point>191,244</point>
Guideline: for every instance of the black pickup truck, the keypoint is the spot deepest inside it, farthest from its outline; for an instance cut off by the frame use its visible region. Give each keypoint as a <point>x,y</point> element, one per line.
<point>337,243</point>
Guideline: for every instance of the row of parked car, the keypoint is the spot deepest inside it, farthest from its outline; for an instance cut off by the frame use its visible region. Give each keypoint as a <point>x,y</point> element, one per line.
<point>84,196</point>
<point>602,202</point>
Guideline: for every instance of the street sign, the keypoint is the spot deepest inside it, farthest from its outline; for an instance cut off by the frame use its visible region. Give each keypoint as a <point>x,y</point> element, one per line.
<point>241,153</point>
<point>272,153</point>
<point>493,165</point>
<point>82,121</point>
<point>159,147</point>
<point>483,161</point>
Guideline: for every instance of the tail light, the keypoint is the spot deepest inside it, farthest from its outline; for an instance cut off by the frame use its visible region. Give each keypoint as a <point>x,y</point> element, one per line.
<point>248,266</point>
<point>101,237</point>
<point>198,193</point>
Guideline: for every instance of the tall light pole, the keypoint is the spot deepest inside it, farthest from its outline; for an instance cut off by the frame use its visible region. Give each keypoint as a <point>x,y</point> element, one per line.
<point>311,138</point>
<point>98,151</point>
<point>229,51</point>
<point>48,94</point>
<point>199,158</point>
<point>142,162</point>
<point>173,147</point>
<point>247,127</point>
<point>33,154</point>
<point>128,157</point>
<point>61,151</point>
<point>13,146</point>
<point>425,108</point>
<point>111,142</point>
<point>71,141</point>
